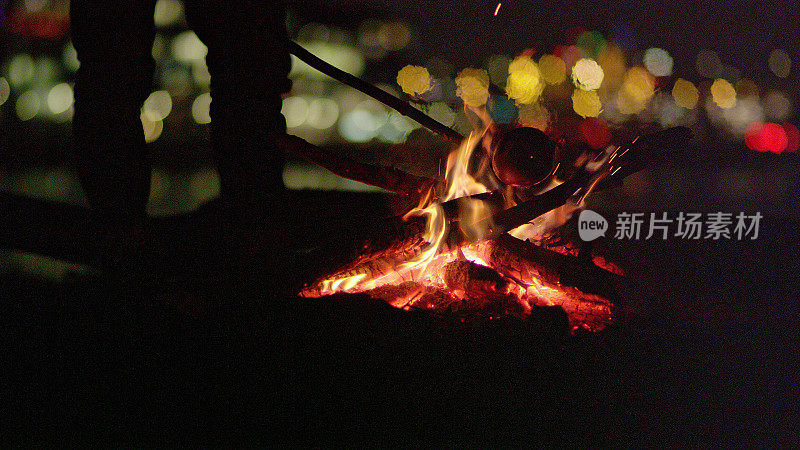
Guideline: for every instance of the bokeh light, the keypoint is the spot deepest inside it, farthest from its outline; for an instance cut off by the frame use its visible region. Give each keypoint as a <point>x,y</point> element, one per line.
<point>637,90</point>
<point>591,43</point>
<point>587,74</point>
<point>295,110</point>
<point>595,133</point>
<point>473,87</point>
<point>685,93</point>
<point>524,83</point>
<point>322,113</point>
<point>359,125</point>
<point>777,106</point>
<point>341,55</point>
<point>5,90</point>
<point>60,98</point>
<point>792,137</point>
<point>393,36</point>
<point>586,103</point>
<point>612,60</point>
<point>658,61</point>
<point>167,12</point>
<point>21,70</point>
<point>69,56</point>
<point>414,80</point>
<point>442,113</point>
<point>28,105</point>
<point>780,63</point>
<point>723,93</point>
<point>767,138</point>
<point>152,128</point>
<point>187,47</point>
<point>201,108</point>
<point>553,69</point>
<point>157,106</point>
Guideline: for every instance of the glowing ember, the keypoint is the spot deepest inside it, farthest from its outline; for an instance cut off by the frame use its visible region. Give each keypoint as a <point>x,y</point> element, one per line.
<point>470,277</point>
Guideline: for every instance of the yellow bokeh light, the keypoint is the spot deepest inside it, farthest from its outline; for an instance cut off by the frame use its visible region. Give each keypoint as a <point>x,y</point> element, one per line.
<point>524,82</point>
<point>473,87</point>
<point>685,93</point>
<point>612,60</point>
<point>167,12</point>
<point>586,103</point>
<point>60,98</point>
<point>553,69</point>
<point>28,105</point>
<point>295,110</point>
<point>157,106</point>
<point>152,128</point>
<point>187,47</point>
<point>587,74</point>
<point>723,93</point>
<point>5,90</point>
<point>636,92</point>
<point>201,108</point>
<point>21,69</point>
<point>414,80</point>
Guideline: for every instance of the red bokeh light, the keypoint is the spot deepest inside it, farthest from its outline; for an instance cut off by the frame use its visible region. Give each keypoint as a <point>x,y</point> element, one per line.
<point>595,133</point>
<point>767,138</point>
<point>792,137</point>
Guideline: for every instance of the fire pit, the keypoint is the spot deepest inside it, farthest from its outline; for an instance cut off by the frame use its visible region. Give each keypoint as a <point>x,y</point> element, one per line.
<point>492,236</point>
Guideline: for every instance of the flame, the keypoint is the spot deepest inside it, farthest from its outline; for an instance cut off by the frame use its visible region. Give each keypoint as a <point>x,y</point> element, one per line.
<point>432,276</point>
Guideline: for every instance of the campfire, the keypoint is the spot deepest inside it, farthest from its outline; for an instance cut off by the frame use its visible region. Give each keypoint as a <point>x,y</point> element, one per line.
<point>494,235</point>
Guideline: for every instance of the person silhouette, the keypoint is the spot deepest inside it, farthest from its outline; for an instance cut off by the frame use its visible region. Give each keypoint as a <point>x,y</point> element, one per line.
<point>249,65</point>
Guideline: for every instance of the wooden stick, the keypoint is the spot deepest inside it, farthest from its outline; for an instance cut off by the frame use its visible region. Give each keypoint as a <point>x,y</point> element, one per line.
<point>382,96</point>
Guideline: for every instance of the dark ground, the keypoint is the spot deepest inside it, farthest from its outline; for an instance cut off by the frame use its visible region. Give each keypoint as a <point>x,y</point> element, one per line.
<point>706,359</point>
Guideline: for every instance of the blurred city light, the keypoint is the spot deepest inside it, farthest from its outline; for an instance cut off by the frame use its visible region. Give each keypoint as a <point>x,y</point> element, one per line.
<point>767,138</point>
<point>586,103</point>
<point>534,115</point>
<point>295,110</point>
<point>157,106</point>
<point>777,106</point>
<point>637,90</point>
<point>685,93</point>
<point>524,82</point>
<point>723,93</point>
<point>201,108</point>
<point>60,98</point>
<point>658,61</point>
<point>322,113</point>
<point>69,56</point>
<point>553,69</point>
<point>5,90</point>
<point>342,56</point>
<point>152,128</point>
<point>473,87</point>
<point>28,105</point>
<point>167,12</point>
<point>21,70</point>
<point>587,74</point>
<point>414,80</point>
<point>187,47</point>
